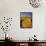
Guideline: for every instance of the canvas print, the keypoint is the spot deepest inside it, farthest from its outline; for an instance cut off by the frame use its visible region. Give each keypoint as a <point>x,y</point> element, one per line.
<point>26,19</point>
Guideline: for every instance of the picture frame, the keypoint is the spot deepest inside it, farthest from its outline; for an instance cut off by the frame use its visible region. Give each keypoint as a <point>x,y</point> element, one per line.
<point>25,19</point>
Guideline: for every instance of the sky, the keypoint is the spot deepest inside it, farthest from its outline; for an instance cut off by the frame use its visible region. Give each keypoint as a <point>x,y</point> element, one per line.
<point>25,14</point>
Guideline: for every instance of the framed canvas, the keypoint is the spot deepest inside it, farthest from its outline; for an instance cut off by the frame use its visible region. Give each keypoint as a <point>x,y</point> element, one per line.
<point>25,19</point>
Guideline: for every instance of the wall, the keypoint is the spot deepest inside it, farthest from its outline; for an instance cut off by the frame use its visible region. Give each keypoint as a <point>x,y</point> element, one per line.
<point>12,8</point>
